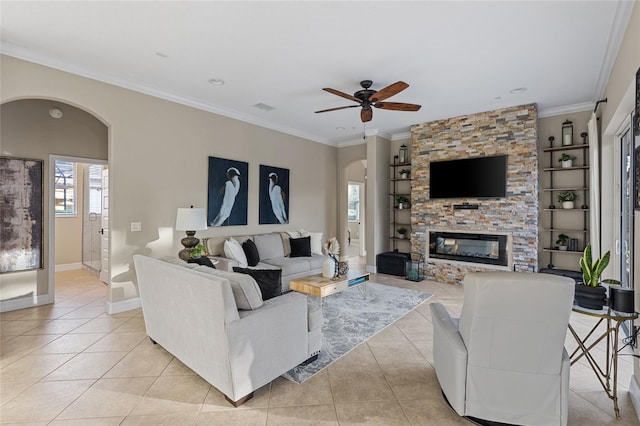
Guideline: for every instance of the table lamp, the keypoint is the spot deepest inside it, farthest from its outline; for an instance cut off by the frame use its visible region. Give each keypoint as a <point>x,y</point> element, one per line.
<point>190,220</point>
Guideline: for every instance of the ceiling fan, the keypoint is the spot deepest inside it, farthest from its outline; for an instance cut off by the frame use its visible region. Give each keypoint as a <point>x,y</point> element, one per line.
<point>367,98</point>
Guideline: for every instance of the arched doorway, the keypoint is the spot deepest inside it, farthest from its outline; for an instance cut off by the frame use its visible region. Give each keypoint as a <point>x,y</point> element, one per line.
<point>39,129</point>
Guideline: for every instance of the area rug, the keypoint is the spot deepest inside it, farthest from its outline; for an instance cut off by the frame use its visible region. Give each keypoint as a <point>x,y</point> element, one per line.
<point>349,320</point>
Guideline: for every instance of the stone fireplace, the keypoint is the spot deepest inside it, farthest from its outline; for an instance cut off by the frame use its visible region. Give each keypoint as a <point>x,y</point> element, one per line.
<point>509,131</point>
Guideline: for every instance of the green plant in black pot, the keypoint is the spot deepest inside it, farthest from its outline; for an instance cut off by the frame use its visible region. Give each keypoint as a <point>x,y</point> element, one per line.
<point>591,293</point>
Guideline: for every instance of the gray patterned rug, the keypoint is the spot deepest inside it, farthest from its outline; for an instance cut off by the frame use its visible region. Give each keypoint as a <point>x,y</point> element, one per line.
<point>348,320</point>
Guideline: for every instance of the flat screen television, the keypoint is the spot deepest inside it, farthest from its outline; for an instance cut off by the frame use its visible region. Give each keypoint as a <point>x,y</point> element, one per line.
<point>479,177</point>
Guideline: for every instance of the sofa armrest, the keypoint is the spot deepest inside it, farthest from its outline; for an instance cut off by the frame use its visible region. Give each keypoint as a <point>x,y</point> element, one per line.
<point>267,342</point>
<point>450,357</point>
<point>224,263</point>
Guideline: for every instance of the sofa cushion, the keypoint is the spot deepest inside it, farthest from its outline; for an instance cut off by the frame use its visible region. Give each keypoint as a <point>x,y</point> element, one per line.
<point>291,265</point>
<point>300,247</point>
<point>269,280</point>
<point>246,291</point>
<point>251,252</point>
<point>316,261</point>
<point>233,250</point>
<point>269,246</point>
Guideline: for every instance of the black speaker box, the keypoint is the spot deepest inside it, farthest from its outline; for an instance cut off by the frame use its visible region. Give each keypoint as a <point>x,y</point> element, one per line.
<point>621,299</point>
<point>392,263</point>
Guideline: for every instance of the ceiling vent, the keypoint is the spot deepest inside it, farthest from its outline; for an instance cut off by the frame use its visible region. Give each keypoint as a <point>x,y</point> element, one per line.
<point>264,107</point>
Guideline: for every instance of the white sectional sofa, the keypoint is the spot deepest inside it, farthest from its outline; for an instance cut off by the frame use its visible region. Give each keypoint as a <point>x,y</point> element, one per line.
<point>274,249</point>
<point>217,324</point>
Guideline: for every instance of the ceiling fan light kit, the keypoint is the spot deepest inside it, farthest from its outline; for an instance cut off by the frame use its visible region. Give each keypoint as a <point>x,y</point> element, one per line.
<point>367,98</point>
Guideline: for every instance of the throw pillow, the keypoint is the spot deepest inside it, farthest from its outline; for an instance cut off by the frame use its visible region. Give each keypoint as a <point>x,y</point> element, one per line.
<point>316,242</point>
<point>300,247</point>
<point>251,251</point>
<point>269,280</point>
<point>203,260</point>
<point>233,250</point>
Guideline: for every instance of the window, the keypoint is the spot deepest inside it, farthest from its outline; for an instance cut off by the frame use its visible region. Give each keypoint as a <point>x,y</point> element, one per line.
<point>353,214</point>
<point>65,188</point>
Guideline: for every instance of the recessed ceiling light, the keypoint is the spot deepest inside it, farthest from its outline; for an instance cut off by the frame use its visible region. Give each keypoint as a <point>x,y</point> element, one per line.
<point>341,128</point>
<point>216,81</point>
<point>518,90</point>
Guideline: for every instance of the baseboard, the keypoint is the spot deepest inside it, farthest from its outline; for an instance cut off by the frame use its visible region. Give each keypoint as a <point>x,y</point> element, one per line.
<point>371,269</point>
<point>634,392</point>
<point>24,302</point>
<point>124,306</point>
<point>68,266</point>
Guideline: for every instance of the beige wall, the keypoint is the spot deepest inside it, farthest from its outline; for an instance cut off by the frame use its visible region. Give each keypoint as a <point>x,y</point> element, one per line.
<point>27,130</point>
<point>158,153</point>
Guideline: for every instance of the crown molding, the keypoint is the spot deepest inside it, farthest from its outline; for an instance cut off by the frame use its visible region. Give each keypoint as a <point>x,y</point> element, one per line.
<point>567,109</point>
<point>19,52</point>
<point>401,136</point>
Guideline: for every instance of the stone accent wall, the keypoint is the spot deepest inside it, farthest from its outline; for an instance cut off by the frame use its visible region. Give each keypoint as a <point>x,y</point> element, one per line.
<point>511,131</point>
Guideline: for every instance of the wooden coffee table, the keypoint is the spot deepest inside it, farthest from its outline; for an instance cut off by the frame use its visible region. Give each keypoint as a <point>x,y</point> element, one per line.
<point>319,286</point>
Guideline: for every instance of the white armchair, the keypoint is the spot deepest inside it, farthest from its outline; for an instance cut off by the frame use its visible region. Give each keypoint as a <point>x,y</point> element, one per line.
<point>504,359</point>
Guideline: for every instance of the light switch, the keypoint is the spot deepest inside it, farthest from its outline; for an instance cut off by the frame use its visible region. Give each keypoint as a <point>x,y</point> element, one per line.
<point>136,226</point>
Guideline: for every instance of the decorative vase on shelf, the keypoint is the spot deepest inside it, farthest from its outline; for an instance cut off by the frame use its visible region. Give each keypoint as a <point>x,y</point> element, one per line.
<point>328,268</point>
<point>567,164</point>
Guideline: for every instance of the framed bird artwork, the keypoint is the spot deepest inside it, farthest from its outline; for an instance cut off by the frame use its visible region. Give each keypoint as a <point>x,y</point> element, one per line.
<point>227,192</point>
<point>274,195</point>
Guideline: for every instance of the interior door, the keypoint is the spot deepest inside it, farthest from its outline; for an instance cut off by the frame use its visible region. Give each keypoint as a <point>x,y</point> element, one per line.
<point>104,271</point>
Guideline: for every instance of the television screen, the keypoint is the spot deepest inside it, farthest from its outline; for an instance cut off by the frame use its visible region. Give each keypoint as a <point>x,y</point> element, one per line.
<point>481,177</point>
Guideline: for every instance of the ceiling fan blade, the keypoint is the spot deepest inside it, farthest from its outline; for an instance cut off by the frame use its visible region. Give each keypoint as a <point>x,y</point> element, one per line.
<point>366,114</point>
<point>388,91</point>
<point>397,106</point>
<point>335,109</point>
<point>341,94</point>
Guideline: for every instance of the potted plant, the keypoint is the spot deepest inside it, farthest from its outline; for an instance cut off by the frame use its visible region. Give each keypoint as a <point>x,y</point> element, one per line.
<point>562,241</point>
<point>590,293</point>
<point>198,251</point>
<point>566,160</point>
<point>402,202</point>
<point>404,173</point>
<point>567,199</point>
<point>401,232</point>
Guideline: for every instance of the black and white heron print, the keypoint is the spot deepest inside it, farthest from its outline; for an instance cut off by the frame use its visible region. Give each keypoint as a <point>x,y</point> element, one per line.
<point>228,195</point>
<point>274,195</point>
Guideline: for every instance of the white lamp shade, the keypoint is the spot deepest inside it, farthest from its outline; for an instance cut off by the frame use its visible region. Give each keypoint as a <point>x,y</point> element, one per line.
<point>191,219</point>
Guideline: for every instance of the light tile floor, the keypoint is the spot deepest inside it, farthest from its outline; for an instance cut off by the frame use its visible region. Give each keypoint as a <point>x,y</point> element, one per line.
<point>72,364</point>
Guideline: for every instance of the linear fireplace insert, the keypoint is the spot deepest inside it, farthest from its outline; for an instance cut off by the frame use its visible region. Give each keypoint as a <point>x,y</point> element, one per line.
<point>490,249</point>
